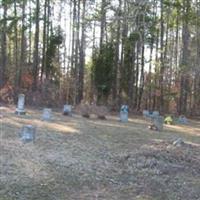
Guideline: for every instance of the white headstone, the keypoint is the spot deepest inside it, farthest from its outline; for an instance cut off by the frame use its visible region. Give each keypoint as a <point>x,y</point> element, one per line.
<point>67,110</point>
<point>47,114</point>
<point>20,105</point>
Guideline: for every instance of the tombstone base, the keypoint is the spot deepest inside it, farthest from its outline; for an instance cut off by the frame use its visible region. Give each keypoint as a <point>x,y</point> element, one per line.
<point>20,112</point>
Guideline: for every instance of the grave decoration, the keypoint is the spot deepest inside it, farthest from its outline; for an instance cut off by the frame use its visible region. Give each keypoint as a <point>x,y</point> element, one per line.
<point>124,113</point>
<point>20,105</point>
<point>47,114</point>
<point>168,120</point>
<point>27,133</point>
<point>67,110</point>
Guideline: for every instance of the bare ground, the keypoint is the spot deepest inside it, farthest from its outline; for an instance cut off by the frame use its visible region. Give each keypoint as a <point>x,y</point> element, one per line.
<point>77,158</point>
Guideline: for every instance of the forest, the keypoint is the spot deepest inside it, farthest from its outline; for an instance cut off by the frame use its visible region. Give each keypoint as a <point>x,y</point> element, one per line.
<point>145,54</point>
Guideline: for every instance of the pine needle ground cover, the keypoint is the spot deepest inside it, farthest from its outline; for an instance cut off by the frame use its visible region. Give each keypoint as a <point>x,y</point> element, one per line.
<point>78,158</point>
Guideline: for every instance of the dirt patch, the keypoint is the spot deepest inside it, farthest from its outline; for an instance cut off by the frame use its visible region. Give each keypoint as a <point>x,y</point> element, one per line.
<point>78,158</point>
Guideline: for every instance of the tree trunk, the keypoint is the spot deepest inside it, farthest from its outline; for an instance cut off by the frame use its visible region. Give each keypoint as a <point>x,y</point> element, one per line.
<point>82,55</point>
<point>184,87</point>
<point>162,67</point>
<point>22,56</point>
<point>3,46</point>
<point>36,46</point>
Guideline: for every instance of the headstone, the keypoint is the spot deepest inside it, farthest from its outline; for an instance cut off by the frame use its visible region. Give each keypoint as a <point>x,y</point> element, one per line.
<point>150,115</point>
<point>182,120</point>
<point>155,114</point>
<point>146,113</point>
<point>67,110</point>
<point>47,114</point>
<point>27,133</point>
<point>158,123</point>
<point>20,105</point>
<point>124,113</point>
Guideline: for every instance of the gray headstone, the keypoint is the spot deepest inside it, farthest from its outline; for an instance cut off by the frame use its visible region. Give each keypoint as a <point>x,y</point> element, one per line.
<point>155,114</point>
<point>158,123</point>
<point>27,133</point>
<point>146,113</point>
<point>67,110</point>
<point>182,120</point>
<point>47,114</point>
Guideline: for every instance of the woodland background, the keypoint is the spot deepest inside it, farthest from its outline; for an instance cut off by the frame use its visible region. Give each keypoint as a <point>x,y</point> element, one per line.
<point>142,53</point>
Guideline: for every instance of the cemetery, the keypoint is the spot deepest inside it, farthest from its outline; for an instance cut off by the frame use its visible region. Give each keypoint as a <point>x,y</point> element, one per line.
<point>46,154</point>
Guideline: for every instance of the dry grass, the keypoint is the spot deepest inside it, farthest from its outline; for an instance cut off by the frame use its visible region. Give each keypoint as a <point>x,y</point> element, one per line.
<point>78,158</point>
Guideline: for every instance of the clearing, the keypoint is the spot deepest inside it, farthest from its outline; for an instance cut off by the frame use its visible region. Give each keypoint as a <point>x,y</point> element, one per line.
<point>78,158</point>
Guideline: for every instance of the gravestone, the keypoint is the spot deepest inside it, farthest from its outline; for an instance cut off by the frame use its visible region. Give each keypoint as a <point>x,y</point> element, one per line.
<point>158,123</point>
<point>146,113</point>
<point>47,114</point>
<point>150,115</point>
<point>67,110</point>
<point>27,133</point>
<point>155,114</point>
<point>20,105</point>
<point>124,113</point>
<point>182,120</point>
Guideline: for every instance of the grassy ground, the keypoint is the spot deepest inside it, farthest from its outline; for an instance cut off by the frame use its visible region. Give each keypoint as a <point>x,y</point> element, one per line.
<point>78,158</point>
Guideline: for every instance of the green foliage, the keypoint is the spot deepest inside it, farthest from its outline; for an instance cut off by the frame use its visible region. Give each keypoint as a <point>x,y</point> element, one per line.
<point>134,37</point>
<point>52,68</point>
<point>102,67</point>
<point>129,60</point>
